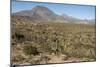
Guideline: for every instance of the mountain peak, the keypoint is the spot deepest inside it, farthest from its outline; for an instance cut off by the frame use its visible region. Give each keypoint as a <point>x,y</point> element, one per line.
<point>38,7</point>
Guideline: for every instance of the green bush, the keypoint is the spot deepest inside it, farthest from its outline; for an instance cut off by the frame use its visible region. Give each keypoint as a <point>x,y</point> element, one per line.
<point>30,50</point>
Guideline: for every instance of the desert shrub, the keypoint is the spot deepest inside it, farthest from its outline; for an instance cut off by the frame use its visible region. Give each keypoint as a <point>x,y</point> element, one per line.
<point>44,59</point>
<point>90,53</point>
<point>65,58</point>
<point>30,50</point>
<point>13,43</point>
<point>19,37</point>
<point>18,58</point>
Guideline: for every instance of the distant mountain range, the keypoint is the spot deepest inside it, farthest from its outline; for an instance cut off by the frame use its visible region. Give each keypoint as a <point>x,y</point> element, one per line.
<point>44,14</point>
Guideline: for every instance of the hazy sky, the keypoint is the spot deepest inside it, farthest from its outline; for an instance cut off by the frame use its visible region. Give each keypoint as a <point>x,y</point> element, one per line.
<point>78,11</point>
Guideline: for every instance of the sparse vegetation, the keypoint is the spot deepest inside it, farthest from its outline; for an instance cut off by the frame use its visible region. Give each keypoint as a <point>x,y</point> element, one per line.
<point>52,39</point>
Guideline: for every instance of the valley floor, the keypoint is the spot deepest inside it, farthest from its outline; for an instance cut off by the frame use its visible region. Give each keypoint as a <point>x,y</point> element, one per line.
<point>44,43</point>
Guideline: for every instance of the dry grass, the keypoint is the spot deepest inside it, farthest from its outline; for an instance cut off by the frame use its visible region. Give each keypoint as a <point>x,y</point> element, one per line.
<point>38,43</point>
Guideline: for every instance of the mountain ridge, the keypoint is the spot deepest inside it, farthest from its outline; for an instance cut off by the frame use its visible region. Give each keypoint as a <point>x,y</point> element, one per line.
<point>44,14</point>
